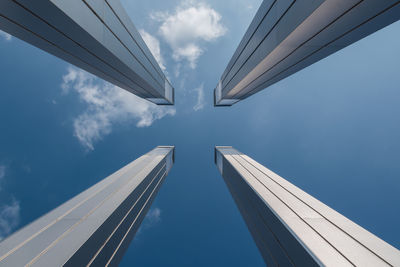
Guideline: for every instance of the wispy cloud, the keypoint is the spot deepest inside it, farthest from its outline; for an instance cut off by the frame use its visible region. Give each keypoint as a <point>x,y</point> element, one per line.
<point>5,35</point>
<point>190,25</point>
<point>9,218</point>
<point>2,174</point>
<point>107,105</point>
<point>200,98</point>
<point>2,171</point>
<point>154,45</point>
<point>152,217</point>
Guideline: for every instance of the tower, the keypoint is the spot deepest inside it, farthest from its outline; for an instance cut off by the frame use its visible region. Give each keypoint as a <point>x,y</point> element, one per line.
<point>287,36</point>
<point>95,35</point>
<point>95,227</point>
<point>292,228</point>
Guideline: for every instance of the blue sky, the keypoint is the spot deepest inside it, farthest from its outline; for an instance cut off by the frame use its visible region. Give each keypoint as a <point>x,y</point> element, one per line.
<point>332,129</point>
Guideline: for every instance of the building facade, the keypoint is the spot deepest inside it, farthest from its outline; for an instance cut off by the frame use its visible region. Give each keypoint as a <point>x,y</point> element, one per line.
<point>286,36</point>
<point>292,228</point>
<point>95,35</point>
<point>95,227</point>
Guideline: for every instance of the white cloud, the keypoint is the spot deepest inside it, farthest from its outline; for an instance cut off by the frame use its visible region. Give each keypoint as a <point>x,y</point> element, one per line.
<point>5,35</point>
<point>9,218</point>
<point>154,45</point>
<point>2,171</point>
<point>2,174</point>
<point>186,28</point>
<point>107,104</point>
<point>200,98</point>
<point>9,214</point>
<point>153,217</point>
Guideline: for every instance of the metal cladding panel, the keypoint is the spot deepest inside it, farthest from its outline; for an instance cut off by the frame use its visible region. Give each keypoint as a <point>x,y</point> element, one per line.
<point>295,34</point>
<point>124,45</point>
<point>93,36</point>
<point>265,5</point>
<point>291,227</point>
<point>124,19</point>
<point>95,227</point>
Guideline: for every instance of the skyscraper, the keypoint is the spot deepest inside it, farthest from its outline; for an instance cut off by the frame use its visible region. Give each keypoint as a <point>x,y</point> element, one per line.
<point>286,36</point>
<point>95,35</point>
<point>290,227</point>
<point>95,227</point>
